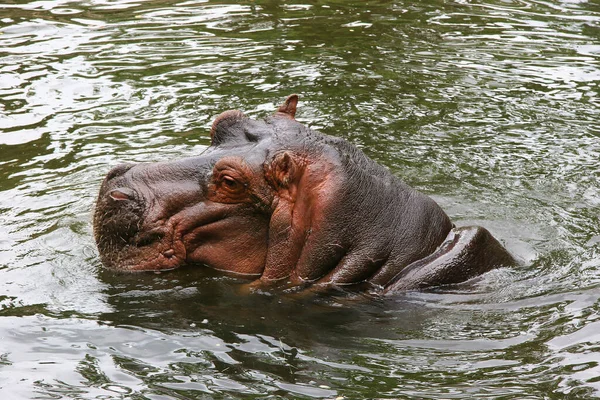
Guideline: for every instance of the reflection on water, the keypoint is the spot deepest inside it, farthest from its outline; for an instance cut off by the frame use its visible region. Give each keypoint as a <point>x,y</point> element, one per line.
<point>489,107</point>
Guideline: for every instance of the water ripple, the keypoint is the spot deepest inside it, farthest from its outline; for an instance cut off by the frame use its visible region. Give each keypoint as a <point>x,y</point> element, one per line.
<point>490,107</point>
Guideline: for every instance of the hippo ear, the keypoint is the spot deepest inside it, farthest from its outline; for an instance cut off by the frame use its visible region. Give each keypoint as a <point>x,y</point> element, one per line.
<point>227,126</point>
<point>288,108</point>
<point>283,173</point>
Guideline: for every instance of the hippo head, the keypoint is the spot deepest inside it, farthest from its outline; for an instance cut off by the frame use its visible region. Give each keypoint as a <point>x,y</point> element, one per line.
<point>272,199</point>
<point>230,208</point>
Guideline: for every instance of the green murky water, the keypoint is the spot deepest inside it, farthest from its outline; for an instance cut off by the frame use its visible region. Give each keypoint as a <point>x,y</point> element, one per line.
<point>491,107</point>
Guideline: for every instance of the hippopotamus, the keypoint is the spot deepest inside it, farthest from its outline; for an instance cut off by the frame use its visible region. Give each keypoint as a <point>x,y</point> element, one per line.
<point>284,205</point>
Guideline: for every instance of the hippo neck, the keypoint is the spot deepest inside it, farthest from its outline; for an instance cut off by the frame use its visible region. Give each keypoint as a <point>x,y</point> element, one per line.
<point>364,224</point>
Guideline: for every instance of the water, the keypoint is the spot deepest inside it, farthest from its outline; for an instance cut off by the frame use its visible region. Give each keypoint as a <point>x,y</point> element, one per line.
<point>490,107</point>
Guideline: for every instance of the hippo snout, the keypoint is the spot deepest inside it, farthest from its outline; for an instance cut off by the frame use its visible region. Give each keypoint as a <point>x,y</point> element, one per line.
<point>118,198</point>
<point>119,213</point>
<point>145,217</point>
<point>120,207</point>
<point>123,208</point>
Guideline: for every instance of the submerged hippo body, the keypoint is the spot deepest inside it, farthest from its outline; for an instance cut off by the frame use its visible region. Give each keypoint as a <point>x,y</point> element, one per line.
<point>279,202</point>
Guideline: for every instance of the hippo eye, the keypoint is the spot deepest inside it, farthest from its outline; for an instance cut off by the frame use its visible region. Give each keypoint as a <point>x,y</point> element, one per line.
<point>230,183</point>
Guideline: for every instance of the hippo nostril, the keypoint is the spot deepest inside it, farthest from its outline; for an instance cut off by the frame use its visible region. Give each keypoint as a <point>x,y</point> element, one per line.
<point>119,170</point>
<point>122,194</point>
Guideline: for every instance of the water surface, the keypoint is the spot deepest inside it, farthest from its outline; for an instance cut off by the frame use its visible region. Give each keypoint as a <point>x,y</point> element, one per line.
<point>490,107</point>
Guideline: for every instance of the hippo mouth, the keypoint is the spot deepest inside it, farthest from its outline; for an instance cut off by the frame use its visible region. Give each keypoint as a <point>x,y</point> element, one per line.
<point>158,248</point>
<point>153,250</point>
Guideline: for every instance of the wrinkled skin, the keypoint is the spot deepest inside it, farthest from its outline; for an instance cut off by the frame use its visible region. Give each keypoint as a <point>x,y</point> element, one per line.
<point>280,203</point>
